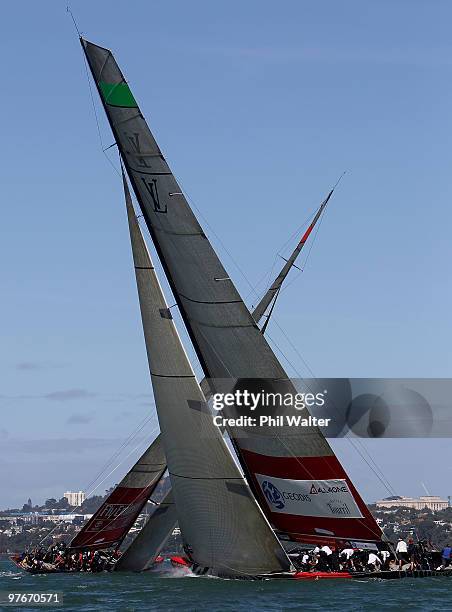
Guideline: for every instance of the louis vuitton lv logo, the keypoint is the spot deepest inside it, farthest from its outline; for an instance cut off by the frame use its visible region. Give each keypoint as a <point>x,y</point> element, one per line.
<point>151,186</point>
<point>136,145</point>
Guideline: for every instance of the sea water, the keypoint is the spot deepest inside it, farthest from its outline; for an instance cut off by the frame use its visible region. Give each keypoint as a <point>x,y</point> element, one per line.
<point>172,589</point>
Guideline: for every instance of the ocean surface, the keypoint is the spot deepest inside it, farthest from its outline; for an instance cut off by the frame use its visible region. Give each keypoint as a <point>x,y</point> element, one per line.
<point>172,591</point>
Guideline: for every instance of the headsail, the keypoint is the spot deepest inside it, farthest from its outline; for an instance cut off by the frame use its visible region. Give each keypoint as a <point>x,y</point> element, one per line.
<point>143,551</point>
<point>222,525</point>
<point>225,336</point>
<point>110,524</point>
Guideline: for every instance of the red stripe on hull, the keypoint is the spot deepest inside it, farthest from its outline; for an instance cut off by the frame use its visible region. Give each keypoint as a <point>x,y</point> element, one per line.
<point>305,528</point>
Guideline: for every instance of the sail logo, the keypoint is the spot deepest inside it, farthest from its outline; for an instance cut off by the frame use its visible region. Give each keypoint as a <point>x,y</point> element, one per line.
<point>338,507</point>
<point>135,142</point>
<point>317,498</point>
<point>273,494</point>
<point>335,489</point>
<point>151,187</point>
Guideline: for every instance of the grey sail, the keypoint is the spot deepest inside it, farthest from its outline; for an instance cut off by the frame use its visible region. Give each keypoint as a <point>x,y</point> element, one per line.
<point>227,340</point>
<point>144,549</point>
<point>221,523</point>
<point>222,329</point>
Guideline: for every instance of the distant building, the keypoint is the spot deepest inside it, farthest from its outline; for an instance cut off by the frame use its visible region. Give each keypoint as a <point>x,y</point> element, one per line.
<point>75,499</point>
<point>431,502</point>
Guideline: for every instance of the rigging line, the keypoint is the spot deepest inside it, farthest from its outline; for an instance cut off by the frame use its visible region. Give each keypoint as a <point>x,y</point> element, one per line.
<point>245,277</point>
<point>104,150</point>
<point>264,326</point>
<point>124,444</point>
<point>297,231</point>
<point>288,283</point>
<point>312,214</point>
<point>96,487</point>
<point>313,242</point>
<point>68,10</point>
<point>388,486</point>
<point>190,199</point>
<point>140,444</point>
<point>299,355</point>
<point>266,278</point>
<point>238,267</point>
<point>383,479</point>
<point>253,289</point>
<point>315,217</point>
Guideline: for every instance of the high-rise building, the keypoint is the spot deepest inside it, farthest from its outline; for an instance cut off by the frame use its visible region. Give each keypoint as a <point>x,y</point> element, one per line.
<point>75,498</point>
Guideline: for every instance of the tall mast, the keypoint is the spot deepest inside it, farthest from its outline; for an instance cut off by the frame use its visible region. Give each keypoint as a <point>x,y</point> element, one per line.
<point>274,289</point>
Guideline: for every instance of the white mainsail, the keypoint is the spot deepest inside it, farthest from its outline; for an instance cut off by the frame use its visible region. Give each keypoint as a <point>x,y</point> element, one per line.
<point>223,527</point>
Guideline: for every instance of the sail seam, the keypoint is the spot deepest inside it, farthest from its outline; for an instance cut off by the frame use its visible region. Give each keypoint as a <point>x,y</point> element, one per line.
<point>205,302</point>
<point>173,375</point>
<point>109,54</point>
<point>139,171</point>
<point>137,116</point>
<point>201,324</point>
<point>158,466</point>
<point>116,105</point>
<point>208,478</point>
<point>170,233</point>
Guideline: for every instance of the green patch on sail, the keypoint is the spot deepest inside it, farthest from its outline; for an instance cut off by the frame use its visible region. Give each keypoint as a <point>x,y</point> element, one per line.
<point>117,94</point>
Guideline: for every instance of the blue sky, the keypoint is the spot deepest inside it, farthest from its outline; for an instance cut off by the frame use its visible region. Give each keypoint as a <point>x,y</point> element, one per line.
<point>259,108</point>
